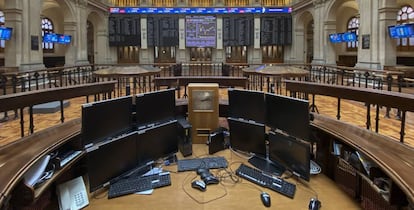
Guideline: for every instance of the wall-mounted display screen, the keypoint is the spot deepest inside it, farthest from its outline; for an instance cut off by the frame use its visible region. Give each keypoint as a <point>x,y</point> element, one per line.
<point>401,31</point>
<point>64,39</point>
<point>200,31</point>
<point>343,37</point>
<point>57,38</point>
<point>335,38</point>
<point>5,33</point>
<point>349,37</point>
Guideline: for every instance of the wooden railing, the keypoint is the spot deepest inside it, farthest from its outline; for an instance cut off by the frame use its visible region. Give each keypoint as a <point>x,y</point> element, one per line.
<point>16,82</point>
<point>22,100</point>
<point>401,101</point>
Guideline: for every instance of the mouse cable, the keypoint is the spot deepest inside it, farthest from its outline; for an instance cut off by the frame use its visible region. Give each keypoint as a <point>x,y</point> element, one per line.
<point>299,182</point>
<point>239,154</point>
<point>224,173</point>
<point>195,199</point>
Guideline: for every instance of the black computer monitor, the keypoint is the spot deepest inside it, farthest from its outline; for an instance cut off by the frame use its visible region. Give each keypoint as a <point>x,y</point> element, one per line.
<point>291,115</point>
<point>157,142</point>
<point>290,152</point>
<point>247,104</point>
<point>111,159</point>
<point>105,119</point>
<point>154,107</point>
<point>247,136</point>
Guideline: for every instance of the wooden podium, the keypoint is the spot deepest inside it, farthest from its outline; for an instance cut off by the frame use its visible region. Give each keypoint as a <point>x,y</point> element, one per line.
<point>203,110</point>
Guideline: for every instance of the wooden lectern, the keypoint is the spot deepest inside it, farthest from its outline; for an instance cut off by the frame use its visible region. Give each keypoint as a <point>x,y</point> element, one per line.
<point>203,110</point>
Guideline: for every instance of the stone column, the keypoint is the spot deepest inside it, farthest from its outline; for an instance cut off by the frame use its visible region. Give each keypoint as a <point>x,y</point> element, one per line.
<point>295,53</point>
<point>319,40</point>
<point>24,50</point>
<point>102,49</point>
<point>387,50</point>
<point>13,13</point>
<point>328,47</point>
<point>81,50</point>
<point>255,54</point>
<point>368,26</point>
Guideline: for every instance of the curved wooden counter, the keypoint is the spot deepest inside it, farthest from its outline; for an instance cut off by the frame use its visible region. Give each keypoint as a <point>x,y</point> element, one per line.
<point>17,157</point>
<point>394,158</point>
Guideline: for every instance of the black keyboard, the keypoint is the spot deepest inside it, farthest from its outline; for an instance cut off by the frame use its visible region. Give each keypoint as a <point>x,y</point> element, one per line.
<point>138,183</point>
<point>265,180</point>
<point>196,163</point>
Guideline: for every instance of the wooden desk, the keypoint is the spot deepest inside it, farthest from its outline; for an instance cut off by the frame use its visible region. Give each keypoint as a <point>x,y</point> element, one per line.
<point>243,195</point>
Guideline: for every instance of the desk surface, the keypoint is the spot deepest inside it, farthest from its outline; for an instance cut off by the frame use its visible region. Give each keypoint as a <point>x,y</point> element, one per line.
<point>227,195</point>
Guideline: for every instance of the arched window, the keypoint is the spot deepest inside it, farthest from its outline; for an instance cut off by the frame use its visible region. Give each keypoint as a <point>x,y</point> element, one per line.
<point>2,22</point>
<point>405,15</point>
<point>47,27</point>
<point>353,26</point>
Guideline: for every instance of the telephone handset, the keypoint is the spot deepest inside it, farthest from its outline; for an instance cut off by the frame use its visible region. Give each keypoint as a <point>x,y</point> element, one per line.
<point>72,194</point>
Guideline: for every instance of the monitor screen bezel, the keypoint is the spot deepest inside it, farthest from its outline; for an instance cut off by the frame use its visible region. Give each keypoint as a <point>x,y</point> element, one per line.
<point>150,147</point>
<point>93,122</point>
<point>290,159</point>
<point>109,160</point>
<point>246,104</point>
<point>291,115</point>
<point>254,136</point>
<point>149,111</point>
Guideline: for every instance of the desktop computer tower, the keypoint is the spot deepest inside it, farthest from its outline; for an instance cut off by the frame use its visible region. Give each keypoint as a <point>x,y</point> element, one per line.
<point>185,145</point>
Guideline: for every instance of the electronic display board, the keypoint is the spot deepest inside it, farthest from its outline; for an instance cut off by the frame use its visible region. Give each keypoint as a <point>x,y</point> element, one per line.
<point>200,31</point>
<point>124,30</point>
<point>162,31</point>
<point>276,30</point>
<point>238,31</point>
<point>198,10</point>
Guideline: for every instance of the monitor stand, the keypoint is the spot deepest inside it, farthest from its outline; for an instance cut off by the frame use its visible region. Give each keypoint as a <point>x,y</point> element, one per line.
<point>267,165</point>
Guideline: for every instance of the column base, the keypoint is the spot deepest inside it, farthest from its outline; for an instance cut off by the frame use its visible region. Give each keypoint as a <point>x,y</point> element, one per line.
<point>368,65</point>
<point>31,66</point>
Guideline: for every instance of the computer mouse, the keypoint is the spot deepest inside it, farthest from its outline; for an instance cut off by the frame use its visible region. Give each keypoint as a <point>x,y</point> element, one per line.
<point>265,197</point>
<point>199,184</point>
<point>314,204</point>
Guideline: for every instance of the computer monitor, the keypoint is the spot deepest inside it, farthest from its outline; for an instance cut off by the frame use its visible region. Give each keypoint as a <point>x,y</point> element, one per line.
<point>290,115</point>
<point>110,160</point>
<point>247,136</point>
<point>157,142</point>
<point>247,104</point>
<point>155,107</point>
<point>290,152</point>
<point>105,119</point>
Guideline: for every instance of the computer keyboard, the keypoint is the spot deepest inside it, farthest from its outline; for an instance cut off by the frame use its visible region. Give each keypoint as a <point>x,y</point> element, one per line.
<point>196,163</point>
<point>137,184</point>
<point>265,180</point>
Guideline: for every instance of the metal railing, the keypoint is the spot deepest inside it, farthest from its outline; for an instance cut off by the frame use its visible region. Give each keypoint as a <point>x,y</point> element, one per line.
<point>65,76</point>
